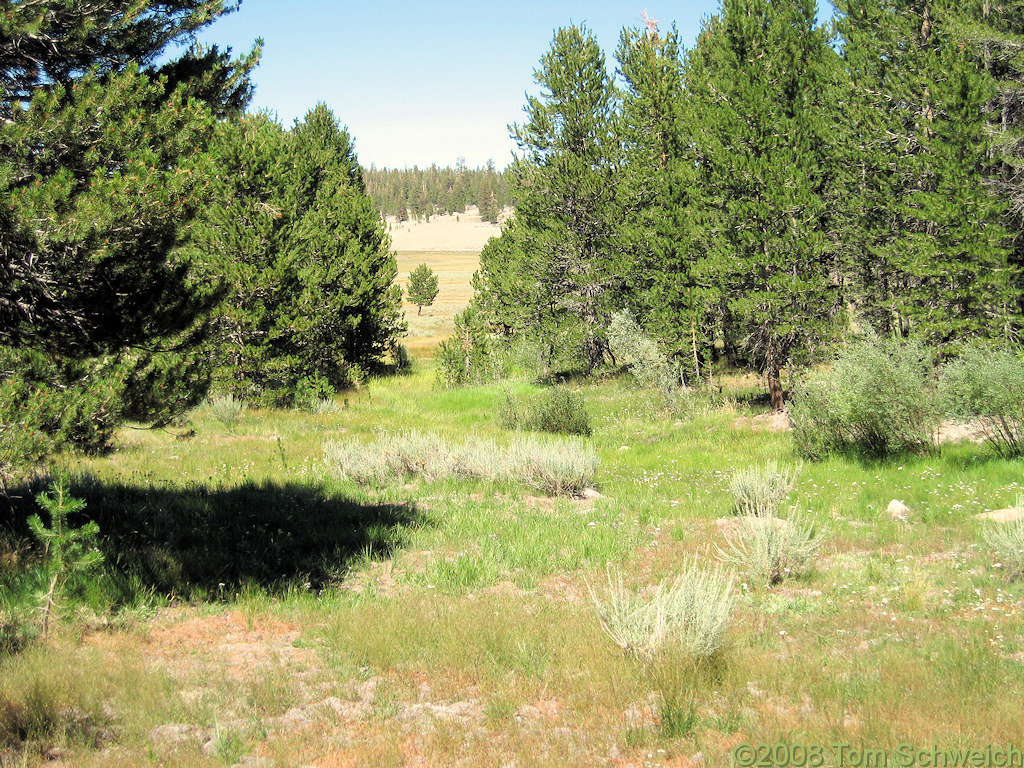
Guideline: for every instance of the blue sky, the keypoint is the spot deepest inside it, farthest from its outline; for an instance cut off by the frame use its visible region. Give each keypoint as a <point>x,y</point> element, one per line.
<point>422,82</point>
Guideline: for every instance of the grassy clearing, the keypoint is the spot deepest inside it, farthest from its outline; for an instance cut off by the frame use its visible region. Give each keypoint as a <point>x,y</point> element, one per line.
<point>454,270</point>
<point>253,604</point>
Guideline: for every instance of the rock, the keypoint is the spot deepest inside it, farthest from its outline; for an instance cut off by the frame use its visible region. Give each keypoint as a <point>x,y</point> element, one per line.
<point>1008,515</point>
<point>898,510</point>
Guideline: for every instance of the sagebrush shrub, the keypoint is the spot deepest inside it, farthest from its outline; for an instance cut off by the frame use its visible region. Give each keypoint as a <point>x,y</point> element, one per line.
<point>565,468</point>
<point>760,490</point>
<point>556,410</point>
<point>556,468</point>
<point>690,612</point>
<point>653,369</point>
<point>875,402</point>
<point>1007,540</point>
<point>648,365</point>
<point>770,548</point>
<point>226,409</point>
<point>987,386</point>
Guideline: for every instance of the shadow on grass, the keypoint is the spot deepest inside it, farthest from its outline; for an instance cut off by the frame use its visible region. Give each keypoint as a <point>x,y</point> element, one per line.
<point>198,541</point>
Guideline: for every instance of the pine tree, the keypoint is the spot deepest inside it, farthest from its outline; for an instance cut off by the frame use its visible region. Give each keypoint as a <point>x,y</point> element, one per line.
<point>564,185</point>
<point>930,254</point>
<point>761,81</point>
<point>422,287</point>
<point>658,194</point>
<point>101,139</point>
<point>308,263</point>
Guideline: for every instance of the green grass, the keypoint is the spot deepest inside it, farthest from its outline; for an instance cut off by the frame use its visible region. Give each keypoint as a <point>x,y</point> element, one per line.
<point>452,617</point>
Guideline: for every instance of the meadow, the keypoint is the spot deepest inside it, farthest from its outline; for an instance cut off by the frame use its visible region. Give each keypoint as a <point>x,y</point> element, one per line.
<point>256,610</point>
<point>454,270</point>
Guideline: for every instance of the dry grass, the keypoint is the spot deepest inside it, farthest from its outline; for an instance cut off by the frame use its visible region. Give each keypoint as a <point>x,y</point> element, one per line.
<point>454,271</point>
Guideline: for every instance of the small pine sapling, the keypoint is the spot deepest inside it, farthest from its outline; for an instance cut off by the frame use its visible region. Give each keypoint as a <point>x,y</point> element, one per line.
<point>422,287</point>
<point>66,550</point>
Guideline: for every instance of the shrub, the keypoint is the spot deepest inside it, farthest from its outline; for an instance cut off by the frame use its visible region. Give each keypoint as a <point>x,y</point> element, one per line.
<point>226,409</point>
<point>760,490</point>
<point>312,391</point>
<point>987,386</point>
<point>558,410</point>
<point>875,402</point>
<point>565,468</point>
<point>401,358</point>
<point>555,468</point>
<point>771,548</point>
<point>647,364</point>
<point>1007,539</point>
<point>691,613</point>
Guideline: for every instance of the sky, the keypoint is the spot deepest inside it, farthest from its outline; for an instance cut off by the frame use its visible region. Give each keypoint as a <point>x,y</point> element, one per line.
<point>419,82</point>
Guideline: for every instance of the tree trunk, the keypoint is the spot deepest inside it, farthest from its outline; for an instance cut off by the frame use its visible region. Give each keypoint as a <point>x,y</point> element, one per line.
<point>771,373</point>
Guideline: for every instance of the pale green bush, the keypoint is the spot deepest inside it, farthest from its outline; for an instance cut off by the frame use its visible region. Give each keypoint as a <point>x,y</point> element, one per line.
<point>760,490</point>
<point>875,402</point>
<point>226,409</point>
<point>987,386</point>
<point>689,613</point>
<point>649,366</point>
<point>1007,540</point>
<point>563,468</point>
<point>770,548</point>
<point>553,467</point>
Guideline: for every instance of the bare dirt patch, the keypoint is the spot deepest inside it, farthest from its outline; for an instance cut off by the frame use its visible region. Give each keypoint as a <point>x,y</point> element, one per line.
<point>232,643</point>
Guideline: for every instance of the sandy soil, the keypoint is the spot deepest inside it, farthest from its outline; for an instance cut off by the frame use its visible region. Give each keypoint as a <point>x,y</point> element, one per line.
<point>462,232</point>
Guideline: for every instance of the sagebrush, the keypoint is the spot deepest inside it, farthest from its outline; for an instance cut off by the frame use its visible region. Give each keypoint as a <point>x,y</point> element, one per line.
<point>690,612</point>
<point>556,468</point>
<point>760,490</point>
<point>1007,541</point>
<point>876,401</point>
<point>770,549</point>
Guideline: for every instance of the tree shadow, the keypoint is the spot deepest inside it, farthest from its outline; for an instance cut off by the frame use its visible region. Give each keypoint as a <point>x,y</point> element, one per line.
<point>204,541</point>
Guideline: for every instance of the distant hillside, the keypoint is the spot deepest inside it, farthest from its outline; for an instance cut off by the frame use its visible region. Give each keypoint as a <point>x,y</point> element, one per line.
<point>419,193</point>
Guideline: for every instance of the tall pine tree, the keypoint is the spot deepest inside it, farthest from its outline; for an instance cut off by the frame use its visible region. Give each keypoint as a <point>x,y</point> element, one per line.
<point>307,261</point>
<point>564,183</point>
<point>101,167</point>
<point>762,83</point>
<point>658,197</point>
<point>928,247</point>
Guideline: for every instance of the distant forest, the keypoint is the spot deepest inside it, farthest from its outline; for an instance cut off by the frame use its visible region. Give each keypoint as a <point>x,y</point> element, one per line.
<point>419,193</point>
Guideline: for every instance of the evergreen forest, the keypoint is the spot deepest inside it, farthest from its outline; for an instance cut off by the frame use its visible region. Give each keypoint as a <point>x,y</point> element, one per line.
<point>421,193</point>
<point>755,198</point>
